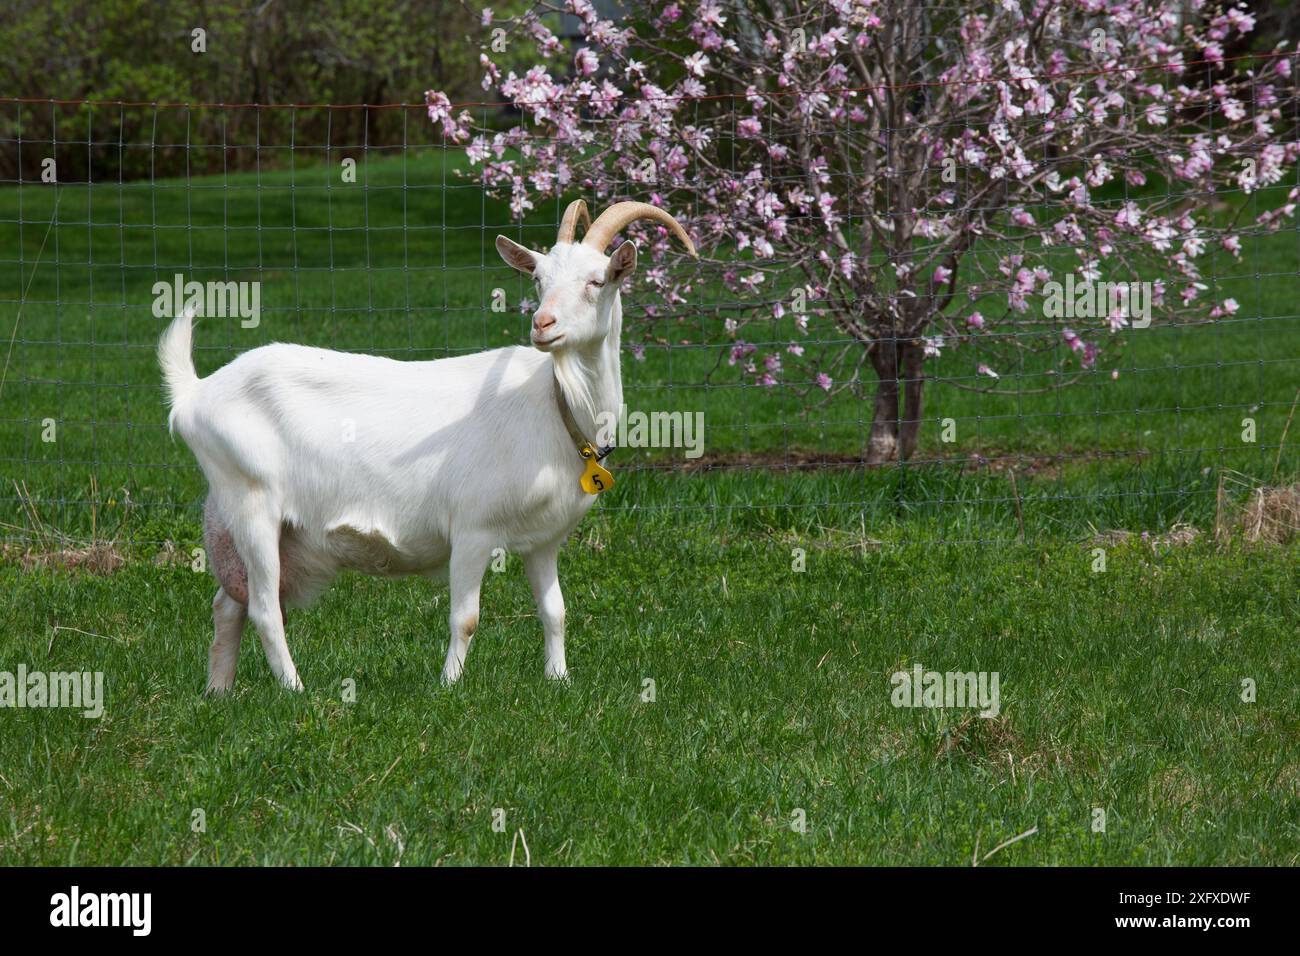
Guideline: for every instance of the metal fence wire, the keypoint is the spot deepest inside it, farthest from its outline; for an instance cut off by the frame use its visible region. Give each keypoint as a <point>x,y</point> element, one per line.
<point>364,230</point>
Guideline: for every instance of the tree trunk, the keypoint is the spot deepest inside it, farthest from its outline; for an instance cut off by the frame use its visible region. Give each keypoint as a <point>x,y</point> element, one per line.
<point>882,446</point>
<point>913,363</point>
<point>894,431</point>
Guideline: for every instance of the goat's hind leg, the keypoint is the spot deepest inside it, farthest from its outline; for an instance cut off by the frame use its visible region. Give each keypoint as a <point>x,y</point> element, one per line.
<point>257,537</point>
<point>469,559</point>
<point>228,617</point>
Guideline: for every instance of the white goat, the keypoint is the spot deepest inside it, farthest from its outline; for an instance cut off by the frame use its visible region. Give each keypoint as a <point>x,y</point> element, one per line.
<point>319,461</point>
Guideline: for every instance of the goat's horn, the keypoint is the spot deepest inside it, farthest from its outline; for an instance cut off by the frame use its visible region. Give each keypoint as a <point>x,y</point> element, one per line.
<point>574,214</point>
<point>612,221</point>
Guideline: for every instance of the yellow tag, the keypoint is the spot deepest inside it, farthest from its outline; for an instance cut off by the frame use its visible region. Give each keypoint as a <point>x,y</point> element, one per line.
<point>596,478</point>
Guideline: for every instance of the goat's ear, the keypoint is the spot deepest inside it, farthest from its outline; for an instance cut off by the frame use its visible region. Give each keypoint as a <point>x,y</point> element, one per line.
<point>516,256</point>
<point>622,263</point>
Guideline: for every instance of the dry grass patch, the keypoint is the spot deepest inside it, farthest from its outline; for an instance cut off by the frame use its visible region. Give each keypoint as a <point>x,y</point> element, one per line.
<point>1181,534</point>
<point>1271,515</point>
<point>995,743</point>
<point>100,557</point>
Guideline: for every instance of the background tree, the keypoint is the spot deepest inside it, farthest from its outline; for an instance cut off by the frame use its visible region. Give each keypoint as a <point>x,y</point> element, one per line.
<point>915,173</point>
<point>257,51</point>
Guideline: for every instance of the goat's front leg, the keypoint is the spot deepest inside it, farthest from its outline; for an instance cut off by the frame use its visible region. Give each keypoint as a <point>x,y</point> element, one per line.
<point>469,559</point>
<point>542,568</point>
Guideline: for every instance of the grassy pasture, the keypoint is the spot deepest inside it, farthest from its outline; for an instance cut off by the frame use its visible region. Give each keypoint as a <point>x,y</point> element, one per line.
<point>1121,690</point>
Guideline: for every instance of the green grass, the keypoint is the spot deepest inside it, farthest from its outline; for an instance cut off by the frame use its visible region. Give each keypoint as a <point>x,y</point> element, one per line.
<point>402,263</point>
<point>1120,690</point>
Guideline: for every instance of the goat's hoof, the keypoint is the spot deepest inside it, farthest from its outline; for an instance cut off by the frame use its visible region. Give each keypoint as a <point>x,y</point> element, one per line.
<point>218,690</point>
<point>560,677</point>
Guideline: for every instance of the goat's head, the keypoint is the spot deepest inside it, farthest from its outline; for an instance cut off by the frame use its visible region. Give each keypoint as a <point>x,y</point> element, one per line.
<point>577,284</point>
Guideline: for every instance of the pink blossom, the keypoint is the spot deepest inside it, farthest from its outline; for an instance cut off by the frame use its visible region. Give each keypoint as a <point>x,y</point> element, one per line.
<point>586,61</point>
<point>740,350</point>
<point>1129,215</point>
<point>786,202</point>
<point>1229,307</point>
<point>696,64</point>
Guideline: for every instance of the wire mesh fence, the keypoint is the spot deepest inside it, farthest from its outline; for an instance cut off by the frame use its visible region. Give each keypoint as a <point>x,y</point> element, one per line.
<point>363,228</point>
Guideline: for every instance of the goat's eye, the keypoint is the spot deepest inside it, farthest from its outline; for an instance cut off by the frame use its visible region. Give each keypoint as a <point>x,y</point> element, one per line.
<point>596,283</point>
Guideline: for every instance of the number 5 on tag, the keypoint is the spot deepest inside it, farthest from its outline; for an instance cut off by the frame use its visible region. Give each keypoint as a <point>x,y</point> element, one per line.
<point>595,478</point>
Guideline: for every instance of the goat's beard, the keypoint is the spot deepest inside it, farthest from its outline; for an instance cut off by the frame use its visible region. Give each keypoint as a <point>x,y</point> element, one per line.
<point>574,375</point>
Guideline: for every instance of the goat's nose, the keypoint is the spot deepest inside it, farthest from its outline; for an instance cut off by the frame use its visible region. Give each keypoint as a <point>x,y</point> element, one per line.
<point>543,321</point>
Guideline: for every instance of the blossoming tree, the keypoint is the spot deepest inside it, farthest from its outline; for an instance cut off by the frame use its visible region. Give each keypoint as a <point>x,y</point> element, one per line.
<point>903,178</point>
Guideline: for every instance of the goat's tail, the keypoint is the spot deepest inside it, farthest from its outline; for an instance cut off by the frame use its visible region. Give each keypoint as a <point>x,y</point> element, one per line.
<point>177,364</point>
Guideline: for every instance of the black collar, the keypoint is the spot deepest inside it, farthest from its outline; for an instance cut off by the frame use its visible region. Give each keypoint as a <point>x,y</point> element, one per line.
<point>571,426</point>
